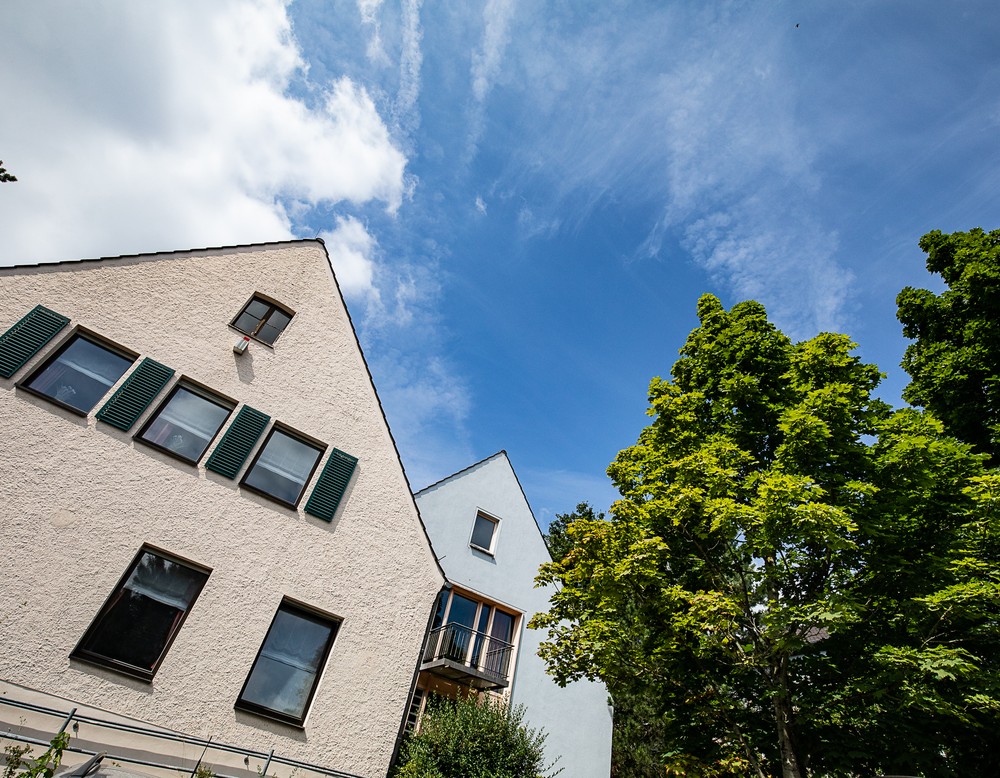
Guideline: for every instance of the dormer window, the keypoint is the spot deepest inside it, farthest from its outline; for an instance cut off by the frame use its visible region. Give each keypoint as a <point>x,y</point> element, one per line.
<point>263,320</point>
<point>484,533</point>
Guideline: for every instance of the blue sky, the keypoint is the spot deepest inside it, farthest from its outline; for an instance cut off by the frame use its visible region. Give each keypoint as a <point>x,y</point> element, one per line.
<point>523,201</point>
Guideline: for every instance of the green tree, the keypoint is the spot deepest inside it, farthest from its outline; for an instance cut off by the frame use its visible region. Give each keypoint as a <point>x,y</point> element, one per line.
<point>4,175</point>
<point>805,581</point>
<point>557,540</point>
<point>954,361</point>
<point>473,737</point>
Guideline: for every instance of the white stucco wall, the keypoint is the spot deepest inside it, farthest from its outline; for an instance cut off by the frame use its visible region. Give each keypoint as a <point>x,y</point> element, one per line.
<point>78,499</point>
<point>577,718</point>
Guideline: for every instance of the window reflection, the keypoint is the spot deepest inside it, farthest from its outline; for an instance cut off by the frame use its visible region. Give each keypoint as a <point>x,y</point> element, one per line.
<point>283,467</point>
<point>186,424</point>
<point>80,374</point>
<point>284,676</point>
<point>135,627</point>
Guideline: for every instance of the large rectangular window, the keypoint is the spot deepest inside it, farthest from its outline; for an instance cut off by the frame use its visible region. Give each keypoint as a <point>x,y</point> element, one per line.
<point>186,423</point>
<point>285,674</point>
<point>283,467</point>
<point>79,375</point>
<point>137,624</point>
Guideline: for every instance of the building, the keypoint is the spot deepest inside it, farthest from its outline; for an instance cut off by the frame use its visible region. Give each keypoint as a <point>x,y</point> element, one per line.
<point>210,549</point>
<point>490,547</point>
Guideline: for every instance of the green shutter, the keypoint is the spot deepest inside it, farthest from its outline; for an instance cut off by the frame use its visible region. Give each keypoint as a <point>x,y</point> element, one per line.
<point>330,487</point>
<point>134,396</point>
<point>238,442</point>
<point>22,341</point>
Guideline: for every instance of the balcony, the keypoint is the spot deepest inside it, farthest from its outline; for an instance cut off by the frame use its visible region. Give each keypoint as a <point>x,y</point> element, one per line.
<point>462,654</point>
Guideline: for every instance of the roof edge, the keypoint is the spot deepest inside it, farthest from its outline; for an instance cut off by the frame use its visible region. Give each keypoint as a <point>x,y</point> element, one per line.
<point>170,252</point>
<point>466,469</point>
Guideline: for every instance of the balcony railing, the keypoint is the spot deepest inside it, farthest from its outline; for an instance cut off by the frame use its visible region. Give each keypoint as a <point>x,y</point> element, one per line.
<point>461,651</point>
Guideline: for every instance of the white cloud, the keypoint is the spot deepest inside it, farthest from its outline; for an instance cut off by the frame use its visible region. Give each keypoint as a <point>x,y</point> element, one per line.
<point>172,125</point>
<point>350,247</point>
<point>480,205</point>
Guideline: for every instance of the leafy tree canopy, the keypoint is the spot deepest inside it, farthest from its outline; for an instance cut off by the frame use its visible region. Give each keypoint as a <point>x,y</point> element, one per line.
<point>557,540</point>
<point>954,362</point>
<point>804,581</point>
<point>473,737</point>
<point>5,177</point>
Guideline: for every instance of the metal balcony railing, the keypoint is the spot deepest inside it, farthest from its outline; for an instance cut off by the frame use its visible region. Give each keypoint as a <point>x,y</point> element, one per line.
<point>465,646</point>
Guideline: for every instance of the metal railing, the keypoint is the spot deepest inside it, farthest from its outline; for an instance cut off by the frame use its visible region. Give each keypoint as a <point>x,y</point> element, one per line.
<point>268,761</point>
<point>476,650</point>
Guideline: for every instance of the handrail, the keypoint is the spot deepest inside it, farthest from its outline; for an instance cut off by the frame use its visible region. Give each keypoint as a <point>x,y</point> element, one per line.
<point>69,717</point>
<point>474,649</point>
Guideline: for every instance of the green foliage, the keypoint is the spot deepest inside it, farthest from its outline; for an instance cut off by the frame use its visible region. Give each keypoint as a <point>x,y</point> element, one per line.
<point>557,539</point>
<point>954,361</point>
<point>5,177</point>
<point>797,580</point>
<point>473,738</point>
<point>44,766</point>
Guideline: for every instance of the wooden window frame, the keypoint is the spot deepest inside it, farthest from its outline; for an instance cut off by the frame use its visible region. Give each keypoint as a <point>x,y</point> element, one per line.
<point>320,447</point>
<point>272,306</point>
<point>58,351</point>
<point>207,394</point>
<point>291,606</point>
<point>99,660</point>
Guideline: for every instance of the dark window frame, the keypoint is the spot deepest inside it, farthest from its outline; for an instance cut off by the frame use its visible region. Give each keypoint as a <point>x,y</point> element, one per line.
<point>292,433</point>
<point>291,606</point>
<point>99,660</point>
<point>59,350</point>
<point>272,306</point>
<point>207,394</point>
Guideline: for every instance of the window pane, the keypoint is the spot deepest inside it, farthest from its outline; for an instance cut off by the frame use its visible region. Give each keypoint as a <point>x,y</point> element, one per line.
<point>80,375</point>
<point>285,673</point>
<point>482,532</point>
<point>257,309</point>
<point>283,467</point>
<point>186,424</point>
<point>247,323</point>
<point>268,334</point>
<point>136,624</point>
<point>503,626</point>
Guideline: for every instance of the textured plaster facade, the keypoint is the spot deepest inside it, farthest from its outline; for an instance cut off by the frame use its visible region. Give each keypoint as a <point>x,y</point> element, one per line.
<point>577,718</point>
<point>78,499</point>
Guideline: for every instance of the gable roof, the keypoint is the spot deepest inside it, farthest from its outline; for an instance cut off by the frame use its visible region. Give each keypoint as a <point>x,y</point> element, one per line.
<point>215,250</point>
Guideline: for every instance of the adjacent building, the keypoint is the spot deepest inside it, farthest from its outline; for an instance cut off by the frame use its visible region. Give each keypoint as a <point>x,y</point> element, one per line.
<point>490,547</point>
<point>210,549</point>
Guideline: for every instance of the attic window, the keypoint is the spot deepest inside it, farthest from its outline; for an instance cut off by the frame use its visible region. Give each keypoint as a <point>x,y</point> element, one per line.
<point>484,533</point>
<point>263,320</point>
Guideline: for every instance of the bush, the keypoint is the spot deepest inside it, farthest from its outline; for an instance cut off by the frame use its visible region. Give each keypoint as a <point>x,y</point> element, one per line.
<point>473,738</point>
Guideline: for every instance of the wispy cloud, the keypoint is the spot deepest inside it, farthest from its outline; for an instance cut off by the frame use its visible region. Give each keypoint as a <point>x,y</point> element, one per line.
<point>486,64</point>
<point>410,61</point>
<point>480,205</point>
<point>369,10</point>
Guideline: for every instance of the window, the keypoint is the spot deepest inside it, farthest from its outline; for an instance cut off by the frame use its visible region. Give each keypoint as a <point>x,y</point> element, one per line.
<point>283,467</point>
<point>476,634</point>
<point>186,423</point>
<point>286,671</point>
<point>484,533</point>
<point>79,374</point>
<point>139,621</point>
<point>263,320</point>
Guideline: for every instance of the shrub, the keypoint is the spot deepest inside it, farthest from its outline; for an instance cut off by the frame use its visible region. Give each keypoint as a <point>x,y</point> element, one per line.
<point>474,738</point>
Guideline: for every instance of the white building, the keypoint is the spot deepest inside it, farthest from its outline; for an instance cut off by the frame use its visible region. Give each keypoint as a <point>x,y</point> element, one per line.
<point>212,544</point>
<point>490,547</point>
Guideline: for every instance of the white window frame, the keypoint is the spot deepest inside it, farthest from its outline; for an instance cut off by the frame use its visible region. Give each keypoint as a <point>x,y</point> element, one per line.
<point>496,532</point>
